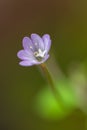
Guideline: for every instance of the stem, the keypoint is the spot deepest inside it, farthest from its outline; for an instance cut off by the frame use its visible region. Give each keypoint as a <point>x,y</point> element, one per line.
<point>50,80</point>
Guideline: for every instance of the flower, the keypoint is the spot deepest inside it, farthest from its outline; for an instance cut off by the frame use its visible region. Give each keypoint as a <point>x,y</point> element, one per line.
<point>35,50</point>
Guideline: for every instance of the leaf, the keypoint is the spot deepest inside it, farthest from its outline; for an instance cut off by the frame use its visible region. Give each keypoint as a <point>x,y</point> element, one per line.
<point>48,107</point>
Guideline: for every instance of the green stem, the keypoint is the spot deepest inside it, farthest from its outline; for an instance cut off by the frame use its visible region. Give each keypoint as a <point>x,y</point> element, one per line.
<point>50,80</point>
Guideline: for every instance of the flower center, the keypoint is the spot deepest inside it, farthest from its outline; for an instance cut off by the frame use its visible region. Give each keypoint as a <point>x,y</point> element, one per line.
<point>39,55</point>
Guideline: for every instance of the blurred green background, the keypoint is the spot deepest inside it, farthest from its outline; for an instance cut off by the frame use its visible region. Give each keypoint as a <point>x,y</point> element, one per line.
<point>66,22</point>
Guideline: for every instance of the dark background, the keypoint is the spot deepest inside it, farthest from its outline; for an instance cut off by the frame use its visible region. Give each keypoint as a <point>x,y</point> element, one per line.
<point>66,22</point>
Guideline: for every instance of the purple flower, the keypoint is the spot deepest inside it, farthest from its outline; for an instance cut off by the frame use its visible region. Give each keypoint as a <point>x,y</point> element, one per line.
<point>35,50</point>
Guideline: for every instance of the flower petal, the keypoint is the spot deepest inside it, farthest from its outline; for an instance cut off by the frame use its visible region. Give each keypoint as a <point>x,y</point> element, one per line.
<point>38,41</point>
<point>30,63</point>
<point>25,55</point>
<point>47,42</point>
<point>26,63</point>
<point>27,44</point>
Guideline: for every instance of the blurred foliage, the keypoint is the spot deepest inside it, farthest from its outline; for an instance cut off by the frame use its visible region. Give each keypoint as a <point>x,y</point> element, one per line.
<point>78,79</point>
<point>49,107</point>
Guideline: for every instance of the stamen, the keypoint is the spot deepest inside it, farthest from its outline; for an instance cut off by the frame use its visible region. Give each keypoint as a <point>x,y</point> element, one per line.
<point>39,53</point>
<point>36,54</point>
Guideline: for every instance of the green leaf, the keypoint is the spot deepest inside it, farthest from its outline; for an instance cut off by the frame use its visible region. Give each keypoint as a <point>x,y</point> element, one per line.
<point>48,107</point>
<point>67,93</point>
